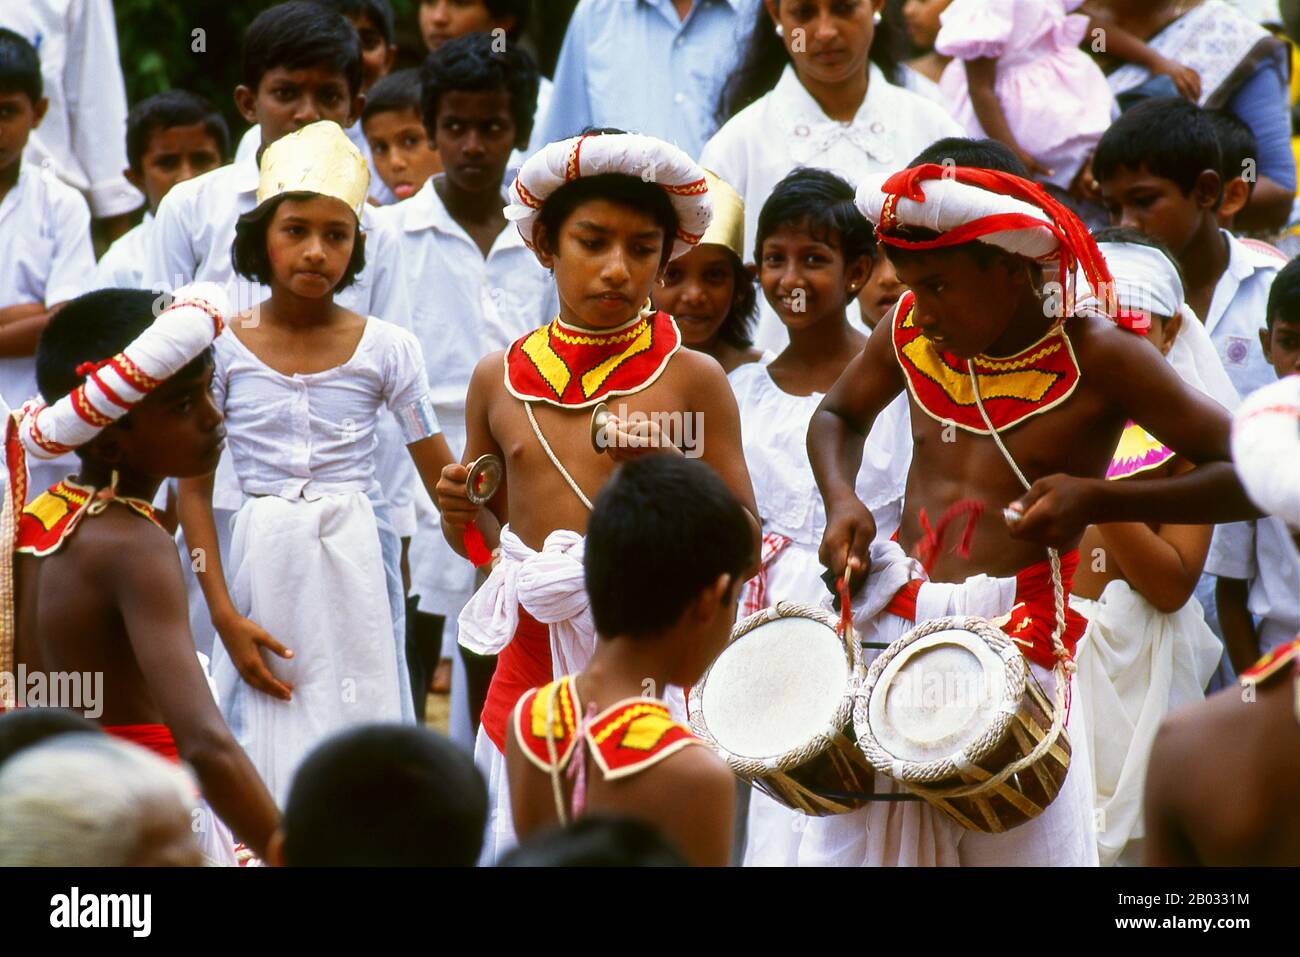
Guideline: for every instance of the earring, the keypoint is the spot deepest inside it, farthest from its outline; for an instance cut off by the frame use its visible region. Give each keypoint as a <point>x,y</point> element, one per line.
<point>663,283</point>
<point>780,30</point>
<point>877,18</point>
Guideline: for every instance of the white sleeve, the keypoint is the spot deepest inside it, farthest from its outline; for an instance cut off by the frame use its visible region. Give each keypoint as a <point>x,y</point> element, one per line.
<point>170,261</point>
<point>96,103</point>
<point>406,384</point>
<point>72,270</point>
<point>389,299</point>
<point>1232,551</point>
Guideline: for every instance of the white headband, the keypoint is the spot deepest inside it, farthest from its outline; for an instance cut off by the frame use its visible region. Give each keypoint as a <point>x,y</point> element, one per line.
<point>1145,280</point>
<point>1266,448</point>
<point>631,154</point>
<point>179,334</point>
<point>950,204</point>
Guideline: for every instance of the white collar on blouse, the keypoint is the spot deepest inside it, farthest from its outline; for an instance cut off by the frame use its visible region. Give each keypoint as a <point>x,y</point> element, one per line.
<point>812,131</point>
<point>426,210</point>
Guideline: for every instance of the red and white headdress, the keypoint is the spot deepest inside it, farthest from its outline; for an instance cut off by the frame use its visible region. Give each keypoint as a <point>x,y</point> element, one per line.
<point>631,154</point>
<point>1266,448</point>
<point>964,204</point>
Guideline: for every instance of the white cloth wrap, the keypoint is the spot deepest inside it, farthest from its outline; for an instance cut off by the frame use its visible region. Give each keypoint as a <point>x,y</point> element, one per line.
<point>311,573</point>
<point>949,204</point>
<point>630,154</point>
<point>181,332</point>
<point>1136,665</point>
<point>1266,448</point>
<point>886,833</point>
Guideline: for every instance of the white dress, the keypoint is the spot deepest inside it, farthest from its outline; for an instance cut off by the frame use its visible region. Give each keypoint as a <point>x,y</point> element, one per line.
<point>306,561</point>
<point>786,129</point>
<point>774,430</point>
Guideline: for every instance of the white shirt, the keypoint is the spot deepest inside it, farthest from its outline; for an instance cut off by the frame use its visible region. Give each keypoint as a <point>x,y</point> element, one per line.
<point>122,265</point>
<point>310,435</point>
<point>191,240</point>
<point>1239,310</point>
<point>45,257</point>
<point>787,128</point>
<point>83,136</point>
<point>380,193</point>
<point>1271,563</point>
<point>465,305</point>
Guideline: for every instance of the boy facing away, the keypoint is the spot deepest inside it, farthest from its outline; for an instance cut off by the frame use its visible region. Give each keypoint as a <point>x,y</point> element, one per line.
<point>663,596</point>
<point>110,598</point>
<point>1055,389</point>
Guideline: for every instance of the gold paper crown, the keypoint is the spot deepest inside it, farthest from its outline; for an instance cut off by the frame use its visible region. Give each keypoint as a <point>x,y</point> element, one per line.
<point>728,225</point>
<point>315,159</point>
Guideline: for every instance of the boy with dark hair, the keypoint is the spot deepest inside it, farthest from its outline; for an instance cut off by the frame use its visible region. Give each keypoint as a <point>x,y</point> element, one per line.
<point>598,841</point>
<point>476,105</point>
<point>301,64</point>
<point>1057,390</point>
<point>643,542</point>
<point>24,727</point>
<point>383,795</point>
<point>98,588</point>
<point>1258,586</point>
<point>1249,736</point>
<point>45,253</point>
<point>400,151</point>
<point>170,137</point>
<point>606,212</point>
<point>1159,169</point>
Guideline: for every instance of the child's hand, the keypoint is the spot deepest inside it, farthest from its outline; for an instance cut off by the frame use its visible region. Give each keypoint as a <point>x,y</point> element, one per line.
<point>1054,511</point>
<point>1187,80</point>
<point>1036,169</point>
<point>243,639</point>
<point>643,437</point>
<point>850,530</point>
<point>456,508</point>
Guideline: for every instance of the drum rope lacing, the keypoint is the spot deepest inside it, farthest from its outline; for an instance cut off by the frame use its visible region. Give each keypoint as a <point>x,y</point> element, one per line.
<point>1065,667</point>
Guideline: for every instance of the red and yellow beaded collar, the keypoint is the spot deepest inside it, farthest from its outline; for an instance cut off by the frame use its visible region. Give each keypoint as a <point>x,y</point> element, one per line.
<point>1012,388</point>
<point>575,368</point>
<point>624,739</point>
<point>49,520</point>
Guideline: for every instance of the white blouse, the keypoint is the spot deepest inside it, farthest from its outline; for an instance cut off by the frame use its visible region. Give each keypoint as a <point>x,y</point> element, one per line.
<point>786,129</point>
<point>313,434</point>
<point>774,433</point>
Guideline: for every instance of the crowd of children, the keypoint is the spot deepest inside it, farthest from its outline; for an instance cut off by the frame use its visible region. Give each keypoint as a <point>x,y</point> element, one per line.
<point>453,379</point>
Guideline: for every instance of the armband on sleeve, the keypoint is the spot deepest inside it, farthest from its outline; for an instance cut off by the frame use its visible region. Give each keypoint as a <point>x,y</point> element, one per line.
<point>418,420</point>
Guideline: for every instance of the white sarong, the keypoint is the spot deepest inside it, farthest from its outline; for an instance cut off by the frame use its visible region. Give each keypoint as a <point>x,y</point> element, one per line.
<point>312,574</point>
<point>912,833</point>
<point>1136,664</point>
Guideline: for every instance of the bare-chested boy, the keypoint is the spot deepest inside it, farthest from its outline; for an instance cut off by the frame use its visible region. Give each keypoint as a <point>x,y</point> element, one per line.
<point>605,212</point>
<point>612,747</point>
<point>1224,780</point>
<point>970,244</point>
<point>98,586</point>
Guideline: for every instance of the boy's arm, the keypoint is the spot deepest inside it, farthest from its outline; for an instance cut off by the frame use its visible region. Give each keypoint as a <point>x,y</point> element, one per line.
<point>1056,508</point>
<point>1236,622</point>
<point>1125,46</point>
<point>21,327</point>
<point>836,436</point>
<point>1166,843</point>
<point>981,77</point>
<point>1163,567</point>
<point>150,593</point>
<point>698,802</point>
<point>241,637</point>
<point>456,510</point>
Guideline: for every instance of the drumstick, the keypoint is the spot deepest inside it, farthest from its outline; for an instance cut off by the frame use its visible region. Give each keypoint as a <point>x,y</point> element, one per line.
<point>846,610</point>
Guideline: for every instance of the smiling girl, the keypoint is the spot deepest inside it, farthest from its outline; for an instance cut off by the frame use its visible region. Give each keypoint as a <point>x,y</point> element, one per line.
<point>302,381</point>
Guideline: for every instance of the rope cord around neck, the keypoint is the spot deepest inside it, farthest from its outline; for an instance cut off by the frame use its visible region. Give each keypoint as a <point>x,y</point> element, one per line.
<point>546,447</point>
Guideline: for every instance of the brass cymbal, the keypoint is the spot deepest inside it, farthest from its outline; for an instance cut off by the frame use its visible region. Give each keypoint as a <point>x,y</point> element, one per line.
<point>484,478</point>
<point>599,416</point>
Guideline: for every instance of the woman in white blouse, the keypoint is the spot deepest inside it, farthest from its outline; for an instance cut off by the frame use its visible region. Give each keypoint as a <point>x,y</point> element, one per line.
<point>815,88</point>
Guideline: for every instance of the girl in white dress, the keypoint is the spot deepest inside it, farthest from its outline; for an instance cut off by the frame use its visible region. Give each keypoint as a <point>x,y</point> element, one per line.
<point>816,254</point>
<point>816,88</point>
<point>301,382</point>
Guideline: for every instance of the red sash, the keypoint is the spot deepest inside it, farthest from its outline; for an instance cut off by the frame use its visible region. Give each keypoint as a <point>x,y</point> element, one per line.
<point>574,368</point>
<point>524,663</point>
<point>1013,389</point>
<point>1034,617</point>
<point>624,739</point>
<point>156,737</point>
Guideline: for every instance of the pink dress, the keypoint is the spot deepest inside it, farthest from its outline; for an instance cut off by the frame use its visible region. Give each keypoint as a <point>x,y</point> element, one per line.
<point>1056,99</point>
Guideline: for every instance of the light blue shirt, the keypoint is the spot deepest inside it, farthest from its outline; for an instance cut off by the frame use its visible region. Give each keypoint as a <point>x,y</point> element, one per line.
<point>635,65</point>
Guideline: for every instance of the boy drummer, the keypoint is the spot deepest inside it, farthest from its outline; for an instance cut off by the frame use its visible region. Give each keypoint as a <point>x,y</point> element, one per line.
<point>1058,393</point>
<point>605,212</point>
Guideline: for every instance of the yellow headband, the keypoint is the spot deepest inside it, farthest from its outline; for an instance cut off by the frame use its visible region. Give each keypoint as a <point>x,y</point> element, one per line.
<point>728,225</point>
<point>315,159</point>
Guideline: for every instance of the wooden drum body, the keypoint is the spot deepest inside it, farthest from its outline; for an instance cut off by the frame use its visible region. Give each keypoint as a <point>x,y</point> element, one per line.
<point>952,712</point>
<point>777,706</point>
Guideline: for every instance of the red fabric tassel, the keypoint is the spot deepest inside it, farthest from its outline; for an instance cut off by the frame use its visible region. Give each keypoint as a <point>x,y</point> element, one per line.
<point>476,547</point>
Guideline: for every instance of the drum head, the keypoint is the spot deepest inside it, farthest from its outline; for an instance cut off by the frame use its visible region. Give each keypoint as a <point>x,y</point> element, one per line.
<point>937,695</point>
<point>776,688</point>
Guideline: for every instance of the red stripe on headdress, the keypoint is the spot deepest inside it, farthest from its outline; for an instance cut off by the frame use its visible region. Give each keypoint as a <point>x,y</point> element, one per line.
<point>112,396</point>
